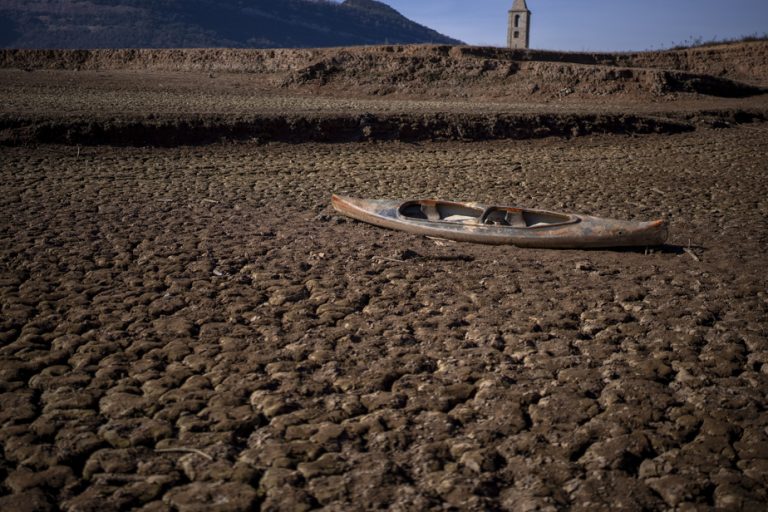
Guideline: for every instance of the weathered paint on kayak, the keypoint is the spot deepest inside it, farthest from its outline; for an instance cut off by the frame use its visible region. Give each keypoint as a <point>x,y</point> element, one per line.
<point>499,225</point>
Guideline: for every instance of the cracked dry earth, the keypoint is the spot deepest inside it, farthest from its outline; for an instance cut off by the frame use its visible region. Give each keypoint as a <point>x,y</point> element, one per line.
<point>193,329</point>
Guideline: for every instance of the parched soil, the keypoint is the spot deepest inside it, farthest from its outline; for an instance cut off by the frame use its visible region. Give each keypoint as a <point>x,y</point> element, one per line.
<point>192,328</point>
<point>186,325</point>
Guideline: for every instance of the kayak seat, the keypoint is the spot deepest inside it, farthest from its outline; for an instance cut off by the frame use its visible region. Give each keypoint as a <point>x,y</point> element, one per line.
<point>430,211</point>
<point>440,211</point>
<point>504,217</point>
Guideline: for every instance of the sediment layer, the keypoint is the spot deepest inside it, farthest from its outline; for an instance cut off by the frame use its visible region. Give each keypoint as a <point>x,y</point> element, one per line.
<point>738,61</point>
<point>355,128</point>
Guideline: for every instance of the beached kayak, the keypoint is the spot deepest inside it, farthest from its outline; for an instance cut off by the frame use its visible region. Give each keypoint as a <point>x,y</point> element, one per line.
<point>485,224</point>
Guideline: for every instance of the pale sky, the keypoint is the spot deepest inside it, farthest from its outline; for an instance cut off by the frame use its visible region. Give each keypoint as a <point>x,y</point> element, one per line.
<point>575,25</point>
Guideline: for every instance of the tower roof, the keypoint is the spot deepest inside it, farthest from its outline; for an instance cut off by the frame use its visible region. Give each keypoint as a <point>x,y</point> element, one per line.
<point>519,5</point>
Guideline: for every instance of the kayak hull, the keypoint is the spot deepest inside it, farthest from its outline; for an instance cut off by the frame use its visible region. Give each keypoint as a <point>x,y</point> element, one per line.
<point>557,231</point>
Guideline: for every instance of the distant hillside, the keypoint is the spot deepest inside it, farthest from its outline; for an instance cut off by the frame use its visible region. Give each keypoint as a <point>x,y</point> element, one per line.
<point>206,24</point>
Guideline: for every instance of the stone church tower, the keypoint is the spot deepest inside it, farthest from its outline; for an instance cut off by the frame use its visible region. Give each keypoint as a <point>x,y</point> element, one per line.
<point>519,32</point>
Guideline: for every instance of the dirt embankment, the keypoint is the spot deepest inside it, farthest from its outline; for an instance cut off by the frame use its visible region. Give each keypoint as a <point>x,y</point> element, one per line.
<point>353,128</point>
<point>448,71</point>
<point>453,72</point>
<point>746,62</point>
<point>128,97</point>
<point>738,61</point>
<point>204,59</point>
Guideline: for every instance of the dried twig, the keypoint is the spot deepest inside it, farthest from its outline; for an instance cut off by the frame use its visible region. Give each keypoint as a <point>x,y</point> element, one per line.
<point>118,477</point>
<point>658,191</point>
<point>384,258</point>
<point>212,201</point>
<point>690,253</point>
<point>182,449</point>
<point>437,239</point>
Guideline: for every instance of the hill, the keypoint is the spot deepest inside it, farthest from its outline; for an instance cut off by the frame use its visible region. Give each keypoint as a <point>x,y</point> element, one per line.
<point>206,24</point>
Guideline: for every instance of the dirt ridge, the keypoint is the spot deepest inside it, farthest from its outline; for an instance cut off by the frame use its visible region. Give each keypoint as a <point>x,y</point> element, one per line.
<point>436,71</point>
<point>447,75</point>
<point>197,130</point>
<point>738,61</point>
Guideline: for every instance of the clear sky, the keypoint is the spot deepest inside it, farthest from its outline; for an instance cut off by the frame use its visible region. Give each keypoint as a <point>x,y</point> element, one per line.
<point>577,25</point>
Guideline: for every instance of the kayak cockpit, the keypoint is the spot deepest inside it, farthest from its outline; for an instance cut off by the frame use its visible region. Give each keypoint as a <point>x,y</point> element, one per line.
<point>523,218</point>
<point>459,213</point>
<point>440,211</point>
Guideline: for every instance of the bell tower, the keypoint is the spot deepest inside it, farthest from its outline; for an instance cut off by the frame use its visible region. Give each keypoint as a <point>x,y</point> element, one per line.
<point>519,31</point>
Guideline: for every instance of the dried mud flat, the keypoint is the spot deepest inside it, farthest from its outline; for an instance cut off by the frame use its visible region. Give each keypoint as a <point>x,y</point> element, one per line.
<point>191,328</point>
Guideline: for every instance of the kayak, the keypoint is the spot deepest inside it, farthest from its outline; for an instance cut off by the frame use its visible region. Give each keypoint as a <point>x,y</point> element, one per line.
<point>502,225</point>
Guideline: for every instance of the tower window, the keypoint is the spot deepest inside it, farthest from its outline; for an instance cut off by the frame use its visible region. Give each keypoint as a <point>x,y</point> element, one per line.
<point>517,21</point>
<point>517,34</point>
